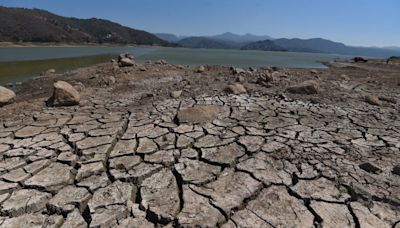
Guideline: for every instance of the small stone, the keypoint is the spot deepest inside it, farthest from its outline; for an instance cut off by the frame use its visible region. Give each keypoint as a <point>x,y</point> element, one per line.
<point>64,94</point>
<point>396,170</point>
<point>236,88</point>
<point>201,69</point>
<point>372,100</point>
<point>176,93</point>
<point>6,96</point>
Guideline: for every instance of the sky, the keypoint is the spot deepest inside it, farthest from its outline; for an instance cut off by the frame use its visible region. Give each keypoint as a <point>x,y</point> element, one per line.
<point>353,22</point>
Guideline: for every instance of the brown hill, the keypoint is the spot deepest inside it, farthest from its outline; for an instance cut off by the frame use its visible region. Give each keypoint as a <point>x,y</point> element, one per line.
<point>34,25</point>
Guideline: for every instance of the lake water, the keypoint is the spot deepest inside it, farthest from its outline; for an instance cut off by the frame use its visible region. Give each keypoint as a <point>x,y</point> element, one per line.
<point>21,64</point>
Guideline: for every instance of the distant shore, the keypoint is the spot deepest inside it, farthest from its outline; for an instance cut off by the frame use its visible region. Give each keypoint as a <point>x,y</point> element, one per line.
<point>51,44</point>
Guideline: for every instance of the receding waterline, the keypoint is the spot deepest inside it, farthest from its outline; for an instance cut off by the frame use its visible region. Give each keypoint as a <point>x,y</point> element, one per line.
<point>21,64</point>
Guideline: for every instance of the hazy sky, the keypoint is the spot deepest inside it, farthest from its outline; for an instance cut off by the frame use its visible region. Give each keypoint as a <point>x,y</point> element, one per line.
<point>354,22</point>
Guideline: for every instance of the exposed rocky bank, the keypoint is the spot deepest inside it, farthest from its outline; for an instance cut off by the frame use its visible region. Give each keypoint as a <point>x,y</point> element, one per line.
<point>158,145</point>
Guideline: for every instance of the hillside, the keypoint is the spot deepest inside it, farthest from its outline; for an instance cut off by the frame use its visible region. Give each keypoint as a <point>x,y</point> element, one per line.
<point>34,25</point>
<point>204,42</point>
<point>318,45</point>
<point>246,38</point>
<point>266,45</point>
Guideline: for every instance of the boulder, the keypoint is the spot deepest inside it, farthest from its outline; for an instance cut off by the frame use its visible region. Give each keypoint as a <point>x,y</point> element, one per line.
<point>236,88</point>
<point>125,55</point>
<point>372,100</point>
<point>126,62</point>
<point>51,71</point>
<point>64,94</point>
<point>307,87</point>
<point>6,96</point>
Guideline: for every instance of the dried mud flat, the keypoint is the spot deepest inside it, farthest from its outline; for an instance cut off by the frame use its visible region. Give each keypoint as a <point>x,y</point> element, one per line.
<point>131,156</point>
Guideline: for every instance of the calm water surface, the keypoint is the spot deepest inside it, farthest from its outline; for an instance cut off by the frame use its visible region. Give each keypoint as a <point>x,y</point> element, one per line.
<point>21,64</point>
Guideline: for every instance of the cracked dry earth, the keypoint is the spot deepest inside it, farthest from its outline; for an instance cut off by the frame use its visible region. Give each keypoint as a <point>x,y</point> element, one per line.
<point>231,161</point>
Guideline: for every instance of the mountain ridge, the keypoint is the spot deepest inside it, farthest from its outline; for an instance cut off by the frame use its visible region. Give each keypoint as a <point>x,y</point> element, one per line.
<point>36,25</point>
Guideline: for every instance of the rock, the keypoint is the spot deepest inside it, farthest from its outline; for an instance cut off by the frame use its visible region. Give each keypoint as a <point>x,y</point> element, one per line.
<point>161,62</point>
<point>7,96</point>
<point>142,68</point>
<point>64,94</point>
<point>240,79</point>
<point>370,168</point>
<point>313,71</point>
<point>201,69</point>
<point>372,100</point>
<point>50,71</point>
<point>307,87</point>
<point>126,62</point>
<point>236,70</point>
<point>360,60</point>
<point>79,86</point>
<point>344,77</point>
<point>198,114</point>
<point>236,88</point>
<point>252,69</point>
<point>388,99</point>
<point>396,170</point>
<point>125,55</point>
<point>176,93</point>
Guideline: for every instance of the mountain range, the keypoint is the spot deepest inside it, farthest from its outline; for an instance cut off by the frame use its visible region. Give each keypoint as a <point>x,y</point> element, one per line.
<point>314,45</point>
<point>35,25</point>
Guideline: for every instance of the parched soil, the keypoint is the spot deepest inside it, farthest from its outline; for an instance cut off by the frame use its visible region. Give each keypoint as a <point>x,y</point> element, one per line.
<point>130,155</point>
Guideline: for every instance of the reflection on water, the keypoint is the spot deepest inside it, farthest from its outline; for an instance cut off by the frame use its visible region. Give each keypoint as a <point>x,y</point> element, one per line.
<point>21,64</point>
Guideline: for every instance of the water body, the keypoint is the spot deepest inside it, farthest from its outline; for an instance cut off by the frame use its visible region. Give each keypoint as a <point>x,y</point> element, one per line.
<point>21,64</point>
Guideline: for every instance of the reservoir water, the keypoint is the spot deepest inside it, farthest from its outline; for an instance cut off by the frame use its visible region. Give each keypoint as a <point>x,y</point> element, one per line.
<point>22,63</point>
